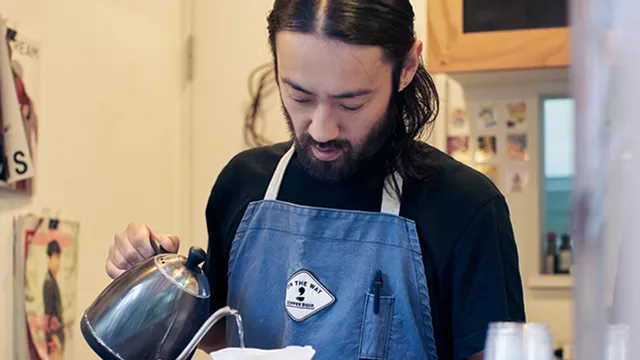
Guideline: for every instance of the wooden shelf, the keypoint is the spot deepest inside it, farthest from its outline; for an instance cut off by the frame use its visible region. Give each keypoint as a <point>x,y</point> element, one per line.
<point>510,77</point>
<point>451,50</point>
<point>544,281</point>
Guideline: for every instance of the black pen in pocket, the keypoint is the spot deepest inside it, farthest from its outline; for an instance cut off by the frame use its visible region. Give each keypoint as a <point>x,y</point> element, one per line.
<point>377,286</point>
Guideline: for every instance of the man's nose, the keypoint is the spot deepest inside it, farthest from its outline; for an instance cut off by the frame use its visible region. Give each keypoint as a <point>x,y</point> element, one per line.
<point>323,127</point>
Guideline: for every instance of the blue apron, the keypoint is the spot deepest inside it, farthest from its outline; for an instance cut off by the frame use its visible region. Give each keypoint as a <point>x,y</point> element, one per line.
<point>349,283</point>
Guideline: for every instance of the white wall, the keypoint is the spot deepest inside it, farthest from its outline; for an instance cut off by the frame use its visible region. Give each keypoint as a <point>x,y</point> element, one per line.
<point>230,41</point>
<point>109,116</point>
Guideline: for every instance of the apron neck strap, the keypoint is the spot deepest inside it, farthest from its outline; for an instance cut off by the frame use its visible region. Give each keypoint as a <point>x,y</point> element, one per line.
<point>278,175</point>
<point>390,201</point>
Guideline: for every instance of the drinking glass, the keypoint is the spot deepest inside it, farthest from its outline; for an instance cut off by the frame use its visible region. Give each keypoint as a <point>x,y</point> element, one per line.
<point>518,341</point>
<point>504,341</point>
<point>537,342</point>
<point>617,339</point>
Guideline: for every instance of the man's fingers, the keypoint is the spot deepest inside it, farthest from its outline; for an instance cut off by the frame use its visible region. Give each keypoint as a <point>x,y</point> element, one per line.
<point>113,271</point>
<point>139,235</point>
<point>117,259</point>
<point>125,248</point>
<point>134,246</point>
<point>171,243</point>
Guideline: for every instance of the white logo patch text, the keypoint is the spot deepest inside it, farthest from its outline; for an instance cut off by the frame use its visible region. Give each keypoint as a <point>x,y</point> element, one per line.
<point>306,296</point>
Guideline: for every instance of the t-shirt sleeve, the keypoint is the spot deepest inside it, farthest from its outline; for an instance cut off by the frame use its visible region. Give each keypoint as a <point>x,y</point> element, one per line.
<point>487,285</point>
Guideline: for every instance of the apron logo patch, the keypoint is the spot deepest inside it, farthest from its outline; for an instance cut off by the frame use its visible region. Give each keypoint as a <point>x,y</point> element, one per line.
<point>306,296</point>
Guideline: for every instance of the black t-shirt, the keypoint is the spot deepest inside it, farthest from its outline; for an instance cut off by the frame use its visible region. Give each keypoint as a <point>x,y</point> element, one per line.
<point>53,311</point>
<point>463,222</point>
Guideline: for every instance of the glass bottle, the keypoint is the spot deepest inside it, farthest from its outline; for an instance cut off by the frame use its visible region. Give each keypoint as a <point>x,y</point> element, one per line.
<point>550,257</point>
<point>564,256</point>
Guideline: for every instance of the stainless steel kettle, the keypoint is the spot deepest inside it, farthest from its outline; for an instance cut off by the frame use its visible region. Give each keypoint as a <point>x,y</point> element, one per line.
<point>157,310</point>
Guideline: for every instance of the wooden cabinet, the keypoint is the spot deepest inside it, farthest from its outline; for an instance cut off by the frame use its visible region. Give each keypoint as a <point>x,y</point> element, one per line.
<point>478,35</point>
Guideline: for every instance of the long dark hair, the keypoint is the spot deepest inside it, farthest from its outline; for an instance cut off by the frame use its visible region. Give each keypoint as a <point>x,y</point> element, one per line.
<point>388,24</point>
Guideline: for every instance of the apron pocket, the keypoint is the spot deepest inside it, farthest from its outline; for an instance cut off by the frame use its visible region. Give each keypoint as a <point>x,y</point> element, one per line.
<point>374,335</point>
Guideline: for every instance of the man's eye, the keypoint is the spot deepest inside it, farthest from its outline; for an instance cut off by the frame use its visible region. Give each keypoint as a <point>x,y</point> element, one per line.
<point>301,101</point>
<point>351,108</point>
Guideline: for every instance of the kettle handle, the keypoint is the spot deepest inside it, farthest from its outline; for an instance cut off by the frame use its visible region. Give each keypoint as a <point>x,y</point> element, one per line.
<point>157,248</point>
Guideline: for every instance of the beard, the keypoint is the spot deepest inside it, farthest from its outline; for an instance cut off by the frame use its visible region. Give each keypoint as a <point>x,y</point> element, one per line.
<point>367,154</point>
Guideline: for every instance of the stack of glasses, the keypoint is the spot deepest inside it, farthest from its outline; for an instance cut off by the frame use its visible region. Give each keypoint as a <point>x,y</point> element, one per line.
<point>518,341</point>
<point>532,341</point>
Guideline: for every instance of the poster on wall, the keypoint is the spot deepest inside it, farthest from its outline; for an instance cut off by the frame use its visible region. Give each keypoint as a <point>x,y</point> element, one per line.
<point>517,113</point>
<point>458,147</point>
<point>458,122</point>
<point>45,287</point>
<point>19,84</point>
<point>517,178</point>
<point>517,147</point>
<point>491,171</point>
<point>486,117</point>
<point>486,149</point>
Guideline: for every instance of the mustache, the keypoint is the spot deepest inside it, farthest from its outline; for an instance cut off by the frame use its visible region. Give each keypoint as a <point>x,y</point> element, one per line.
<point>338,144</point>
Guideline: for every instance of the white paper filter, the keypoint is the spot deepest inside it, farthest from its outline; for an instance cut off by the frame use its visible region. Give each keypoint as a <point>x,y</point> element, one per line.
<point>288,353</point>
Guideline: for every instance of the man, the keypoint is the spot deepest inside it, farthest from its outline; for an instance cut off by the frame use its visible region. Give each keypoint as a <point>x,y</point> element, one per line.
<point>54,329</point>
<point>355,237</point>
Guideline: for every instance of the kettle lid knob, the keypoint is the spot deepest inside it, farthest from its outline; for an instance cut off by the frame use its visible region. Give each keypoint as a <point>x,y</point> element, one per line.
<point>196,257</point>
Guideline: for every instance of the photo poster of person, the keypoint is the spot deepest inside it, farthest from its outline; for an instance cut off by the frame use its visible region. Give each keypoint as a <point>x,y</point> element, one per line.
<point>50,259</point>
<point>517,178</point>
<point>486,149</point>
<point>19,85</point>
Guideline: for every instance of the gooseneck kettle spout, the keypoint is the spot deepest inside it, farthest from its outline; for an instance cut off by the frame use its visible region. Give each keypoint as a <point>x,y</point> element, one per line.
<point>157,310</point>
<point>211,321</point>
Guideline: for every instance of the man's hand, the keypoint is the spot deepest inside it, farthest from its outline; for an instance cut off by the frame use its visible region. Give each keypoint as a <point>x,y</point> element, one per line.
<point>133,246</point>
<point>477,356</point>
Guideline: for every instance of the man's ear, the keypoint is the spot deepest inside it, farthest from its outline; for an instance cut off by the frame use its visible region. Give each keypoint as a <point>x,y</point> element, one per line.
<point>410,65</point>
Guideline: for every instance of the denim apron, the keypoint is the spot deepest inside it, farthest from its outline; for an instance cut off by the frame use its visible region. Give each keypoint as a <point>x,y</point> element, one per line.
<point>351,284</point>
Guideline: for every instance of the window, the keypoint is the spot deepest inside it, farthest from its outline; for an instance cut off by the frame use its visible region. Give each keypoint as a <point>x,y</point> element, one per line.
<point>558,168</point>
<point>558,138</point>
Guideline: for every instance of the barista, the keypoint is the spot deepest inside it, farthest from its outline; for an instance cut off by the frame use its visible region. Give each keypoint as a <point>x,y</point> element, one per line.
<point>355,237</point>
